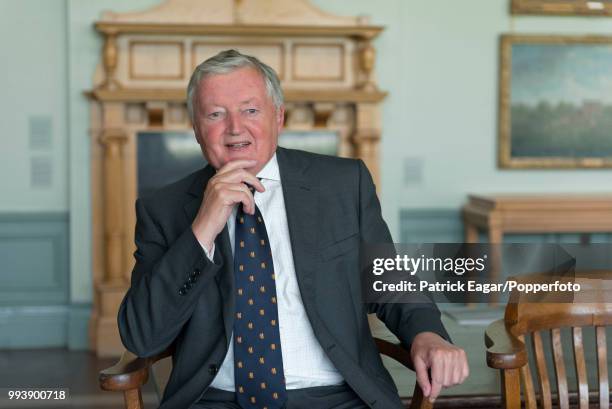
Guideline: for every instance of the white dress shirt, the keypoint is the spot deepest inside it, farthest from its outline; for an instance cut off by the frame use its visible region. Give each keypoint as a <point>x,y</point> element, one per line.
<point>304,361</point>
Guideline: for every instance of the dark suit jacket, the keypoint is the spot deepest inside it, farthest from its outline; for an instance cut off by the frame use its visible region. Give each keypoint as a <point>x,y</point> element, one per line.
<point>178,296</point>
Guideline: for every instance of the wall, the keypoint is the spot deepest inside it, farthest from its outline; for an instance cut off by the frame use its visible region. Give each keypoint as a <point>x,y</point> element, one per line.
<point>85,45</point>
<point>45,277</point>
<point>440,62</point>
<point>34,84</point>
<point>34,291</point>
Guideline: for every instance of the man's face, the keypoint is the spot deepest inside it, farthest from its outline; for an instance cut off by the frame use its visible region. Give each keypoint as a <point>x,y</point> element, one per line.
<point>235,118</point>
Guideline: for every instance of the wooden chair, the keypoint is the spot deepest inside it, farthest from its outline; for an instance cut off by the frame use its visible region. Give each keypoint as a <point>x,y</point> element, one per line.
<point>527,322</point>
<point>131,372</point>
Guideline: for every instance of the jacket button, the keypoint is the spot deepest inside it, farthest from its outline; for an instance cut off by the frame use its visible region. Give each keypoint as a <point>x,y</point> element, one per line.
<point>191,280</point>
<point>212,369</point>
<point>182,292</point>
<point>197,272</point>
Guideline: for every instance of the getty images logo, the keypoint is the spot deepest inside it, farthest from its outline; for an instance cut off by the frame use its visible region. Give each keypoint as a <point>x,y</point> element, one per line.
<point>413,265</point>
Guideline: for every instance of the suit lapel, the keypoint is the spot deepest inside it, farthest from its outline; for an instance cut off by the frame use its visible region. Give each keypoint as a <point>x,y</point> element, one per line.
<point>225,281</point>
<point>225,278</point>
<point>196,192</point>
<point>301,206</point>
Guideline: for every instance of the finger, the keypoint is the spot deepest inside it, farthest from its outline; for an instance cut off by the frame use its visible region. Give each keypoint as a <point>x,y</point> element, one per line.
<point>248,203</point>
<point>458,366</point>
<point>233,196</point>
<point>459,375</point>
<point>252,180</point>
<point>437,378</point>
<point>422,376</point>
<point>236,164</point>
<point>449,370</point>
<point>465,369</point>
<point>258,185</point>
<point>241,176</point>
<point>459,369</point>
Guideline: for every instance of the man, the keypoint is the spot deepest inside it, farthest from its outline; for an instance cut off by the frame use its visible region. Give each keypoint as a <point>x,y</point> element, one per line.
<point>249,267</point>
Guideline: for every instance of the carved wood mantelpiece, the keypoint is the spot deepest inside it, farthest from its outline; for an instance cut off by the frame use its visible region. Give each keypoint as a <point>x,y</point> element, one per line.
<point>326,64</point>
<point>179,95</point>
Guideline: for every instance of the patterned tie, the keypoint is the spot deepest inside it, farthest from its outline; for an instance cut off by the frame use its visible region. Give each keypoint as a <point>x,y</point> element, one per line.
<point>259,376</point>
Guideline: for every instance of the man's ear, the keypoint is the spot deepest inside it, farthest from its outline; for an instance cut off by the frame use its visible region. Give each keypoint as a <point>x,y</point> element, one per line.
<point>194,123</point>
<point>197,133</point>
<point>280,118</point>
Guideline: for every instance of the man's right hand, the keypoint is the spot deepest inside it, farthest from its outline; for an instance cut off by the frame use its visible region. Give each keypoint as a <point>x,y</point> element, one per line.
<point>223,191</point>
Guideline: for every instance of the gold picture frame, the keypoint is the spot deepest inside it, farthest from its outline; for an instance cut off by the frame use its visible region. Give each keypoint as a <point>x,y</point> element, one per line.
<point>563,7</point>
<point>555,114</point>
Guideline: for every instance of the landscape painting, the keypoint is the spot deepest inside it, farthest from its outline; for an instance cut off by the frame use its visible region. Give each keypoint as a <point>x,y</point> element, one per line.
<point>563,7</point>
<point>555,102</point>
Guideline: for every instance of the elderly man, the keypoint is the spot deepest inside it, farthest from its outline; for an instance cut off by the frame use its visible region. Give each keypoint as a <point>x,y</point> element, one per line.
<point>249,267</point>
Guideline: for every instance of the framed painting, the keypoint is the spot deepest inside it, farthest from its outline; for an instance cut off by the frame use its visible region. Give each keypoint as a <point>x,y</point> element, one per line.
<point>555,102</point>
<point>563,7</point>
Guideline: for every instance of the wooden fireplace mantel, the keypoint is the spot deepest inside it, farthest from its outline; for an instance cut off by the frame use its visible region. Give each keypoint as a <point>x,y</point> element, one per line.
<point>326,64</point>
<point>179,95</point>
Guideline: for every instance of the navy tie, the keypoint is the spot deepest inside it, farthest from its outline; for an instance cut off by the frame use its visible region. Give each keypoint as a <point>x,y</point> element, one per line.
<point>258,362</point>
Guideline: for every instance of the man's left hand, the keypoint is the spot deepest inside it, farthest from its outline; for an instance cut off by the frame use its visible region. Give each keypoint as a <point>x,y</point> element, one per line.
<point>447,363</point>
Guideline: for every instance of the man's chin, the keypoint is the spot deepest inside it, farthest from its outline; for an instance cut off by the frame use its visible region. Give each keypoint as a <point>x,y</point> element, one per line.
<point>234,156</point>
<point>253,169</point>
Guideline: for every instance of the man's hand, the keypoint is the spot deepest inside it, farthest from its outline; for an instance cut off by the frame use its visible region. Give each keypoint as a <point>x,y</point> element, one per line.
<point>223,191</point>
<point>448,363</point>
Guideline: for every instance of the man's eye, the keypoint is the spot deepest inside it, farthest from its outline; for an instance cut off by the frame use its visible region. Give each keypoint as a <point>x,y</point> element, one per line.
<point>251,111</point>
<point>214,115</point>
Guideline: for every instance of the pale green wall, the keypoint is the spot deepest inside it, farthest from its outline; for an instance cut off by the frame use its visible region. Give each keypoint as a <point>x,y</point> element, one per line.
<point>84,44</point>
<point>437,59</point>
<point>33,82</point>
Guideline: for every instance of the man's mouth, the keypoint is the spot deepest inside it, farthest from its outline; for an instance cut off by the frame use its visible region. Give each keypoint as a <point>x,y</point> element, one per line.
<point>238,145</point>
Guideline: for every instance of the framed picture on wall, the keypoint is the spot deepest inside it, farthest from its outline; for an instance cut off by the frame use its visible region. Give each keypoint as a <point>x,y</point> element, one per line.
<point>555,102</point>
<point>563,7</point>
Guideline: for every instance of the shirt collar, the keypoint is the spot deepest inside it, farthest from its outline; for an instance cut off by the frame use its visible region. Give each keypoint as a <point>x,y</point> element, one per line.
<point>270,170</point>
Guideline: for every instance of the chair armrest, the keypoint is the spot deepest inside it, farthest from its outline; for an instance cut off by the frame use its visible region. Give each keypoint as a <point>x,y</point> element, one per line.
<point>395,351</point>
<point>130,372</point>
<point>401,355</point>
<point>504,350</point>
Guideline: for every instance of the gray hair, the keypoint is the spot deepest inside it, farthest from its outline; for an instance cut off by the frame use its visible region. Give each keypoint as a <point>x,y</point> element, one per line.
<point>228,61</point>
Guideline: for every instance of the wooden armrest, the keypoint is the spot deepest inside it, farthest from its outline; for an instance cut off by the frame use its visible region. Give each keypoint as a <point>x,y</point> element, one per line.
<point>131,372</point>
<point>401,355</point>
<point>395,351</point>
<point>504,350</point>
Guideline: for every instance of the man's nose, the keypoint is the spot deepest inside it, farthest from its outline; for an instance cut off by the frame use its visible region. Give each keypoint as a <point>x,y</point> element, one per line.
<point>235,124</point>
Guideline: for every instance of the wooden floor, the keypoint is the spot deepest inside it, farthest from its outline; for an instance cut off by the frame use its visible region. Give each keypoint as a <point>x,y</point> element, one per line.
<point>78,371</point>
<point>60,368</point>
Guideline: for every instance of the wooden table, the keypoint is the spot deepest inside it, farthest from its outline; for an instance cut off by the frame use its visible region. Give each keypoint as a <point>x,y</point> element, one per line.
<point>530,213</point>
<point>501,214</point>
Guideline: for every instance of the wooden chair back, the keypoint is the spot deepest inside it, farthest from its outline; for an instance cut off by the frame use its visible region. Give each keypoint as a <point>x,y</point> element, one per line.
<point>529,339</point>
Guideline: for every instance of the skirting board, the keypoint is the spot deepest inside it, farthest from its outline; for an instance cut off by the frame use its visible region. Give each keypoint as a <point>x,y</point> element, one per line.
<point>45,327</point>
